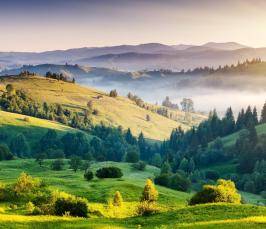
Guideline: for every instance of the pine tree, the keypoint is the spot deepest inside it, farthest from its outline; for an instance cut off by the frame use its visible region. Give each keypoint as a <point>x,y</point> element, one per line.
<point>263,114</point>
<point>118,200</point>
<point>149,194</point>
<point>166,168</point>
<point>255,116</point>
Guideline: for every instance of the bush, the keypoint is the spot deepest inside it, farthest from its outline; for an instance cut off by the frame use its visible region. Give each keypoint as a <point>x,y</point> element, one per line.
<point>118,200</point>
<point>179,182</point>
<point>88,175</point>
<point>75,206</point>
<point>175,181</point>
<point>146,208</point>
<point>30,207</point>
<point>163,179</point>
<point>224,191</point>
<point>113,93</point>
<point>57,165</point>
<point>212,175</point>
<point>141,165</point>
<point>109,172</point>
<point>5,154</point>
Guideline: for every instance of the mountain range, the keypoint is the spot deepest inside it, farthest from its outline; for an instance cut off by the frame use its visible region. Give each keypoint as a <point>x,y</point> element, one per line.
<point>138,57</point>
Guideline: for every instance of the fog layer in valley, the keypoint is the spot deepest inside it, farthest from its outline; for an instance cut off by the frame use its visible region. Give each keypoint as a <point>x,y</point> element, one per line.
<point>207,94</point>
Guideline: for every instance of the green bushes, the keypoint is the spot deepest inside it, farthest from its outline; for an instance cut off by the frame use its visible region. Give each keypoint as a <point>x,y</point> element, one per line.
<point>224,191</point>
<point>57,165</point>
<point>140,165</point>
<point>71,205</point>
<point>109,172</point>
<point>175,181</point>
<point>5,154</point>
<point>88,175</point>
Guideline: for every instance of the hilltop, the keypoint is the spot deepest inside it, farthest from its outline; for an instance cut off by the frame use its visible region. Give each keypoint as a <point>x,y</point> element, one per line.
<point>117,111</point>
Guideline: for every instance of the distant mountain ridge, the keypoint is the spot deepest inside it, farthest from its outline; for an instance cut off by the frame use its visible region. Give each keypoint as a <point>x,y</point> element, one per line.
<point>138,57</point>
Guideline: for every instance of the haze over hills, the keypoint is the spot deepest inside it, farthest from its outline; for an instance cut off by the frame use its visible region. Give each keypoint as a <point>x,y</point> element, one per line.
<point>138,57</point>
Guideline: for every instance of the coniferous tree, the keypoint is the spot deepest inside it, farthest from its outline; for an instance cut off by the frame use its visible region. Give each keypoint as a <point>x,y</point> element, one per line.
<point>255,116</point>
<point>263,114</point>
<point>19,146</point>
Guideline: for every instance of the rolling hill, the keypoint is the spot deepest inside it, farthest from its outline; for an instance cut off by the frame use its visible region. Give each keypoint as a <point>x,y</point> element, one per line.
<point>118,111</point>
<point>33,129</point>
<point>174,212</point>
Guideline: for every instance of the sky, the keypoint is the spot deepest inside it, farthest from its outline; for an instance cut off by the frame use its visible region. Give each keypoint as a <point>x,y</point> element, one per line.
<point>38,25</point>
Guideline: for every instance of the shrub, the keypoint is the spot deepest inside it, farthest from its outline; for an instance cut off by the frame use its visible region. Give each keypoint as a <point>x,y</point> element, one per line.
<point>113,93</point>
<point>132,155</point>
<point>212,175</point>
<point>146,208</point>
<point>109,172</point>
<point>30,207</point>
<point>141,165</point>
<point>224,191</point>
<point>26,119</point>
<point>5,153</point>
<point>163,179</point>
<point>149,194</point>
<point>88,175</point>
<point>179,182</point>
<point>75,206</point>
<point>57,165</point>
<point>118,200</point>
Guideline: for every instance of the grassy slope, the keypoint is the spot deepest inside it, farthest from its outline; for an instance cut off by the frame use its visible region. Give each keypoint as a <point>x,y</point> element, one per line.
<point>231,139</point>
<point>13,124</point>
<point>113,111</point>
<point>174,212</point>
<point>130,185</point>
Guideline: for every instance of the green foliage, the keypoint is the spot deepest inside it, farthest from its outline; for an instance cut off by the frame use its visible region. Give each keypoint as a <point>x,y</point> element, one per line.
<point>20,146</point>
<point>109,172</point>
<point>88,175</point>
<point>174,181</point>
<point>140,165</point>
<point>5,154</point>
<point>57,165</point>
<point>132,155</point>
<point>75,163</point>
<point>224,191</point>
<point>149,194</point>
<point>212,175</point>
<point>71,205</point>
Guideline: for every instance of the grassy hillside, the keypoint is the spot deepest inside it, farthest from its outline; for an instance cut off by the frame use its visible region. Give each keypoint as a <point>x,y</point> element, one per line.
<point>33,128</point>
<point>112,111</point>
<point>130,185</point>
<point>231,139</point>
<point>174,213</point>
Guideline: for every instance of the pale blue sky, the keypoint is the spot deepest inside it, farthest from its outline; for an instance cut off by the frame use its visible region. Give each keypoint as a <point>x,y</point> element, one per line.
<point>37,25</point>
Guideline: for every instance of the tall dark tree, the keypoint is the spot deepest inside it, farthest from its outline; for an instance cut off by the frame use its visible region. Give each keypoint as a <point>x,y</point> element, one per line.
<point>263,114</point>
<point>130,139</point>
<point>20,146</point>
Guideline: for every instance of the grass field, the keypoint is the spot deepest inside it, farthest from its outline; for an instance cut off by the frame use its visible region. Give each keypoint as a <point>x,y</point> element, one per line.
<point>231,139</point>
<point>118,111</point>
<point>33,129</point>
<point>174,212</point>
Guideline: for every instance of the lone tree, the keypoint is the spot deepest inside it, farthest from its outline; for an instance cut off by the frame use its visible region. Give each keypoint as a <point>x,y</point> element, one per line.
<point>149,194</point>
<point>113,93</point>
<point>75,163</point>
<point>118,200</point>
